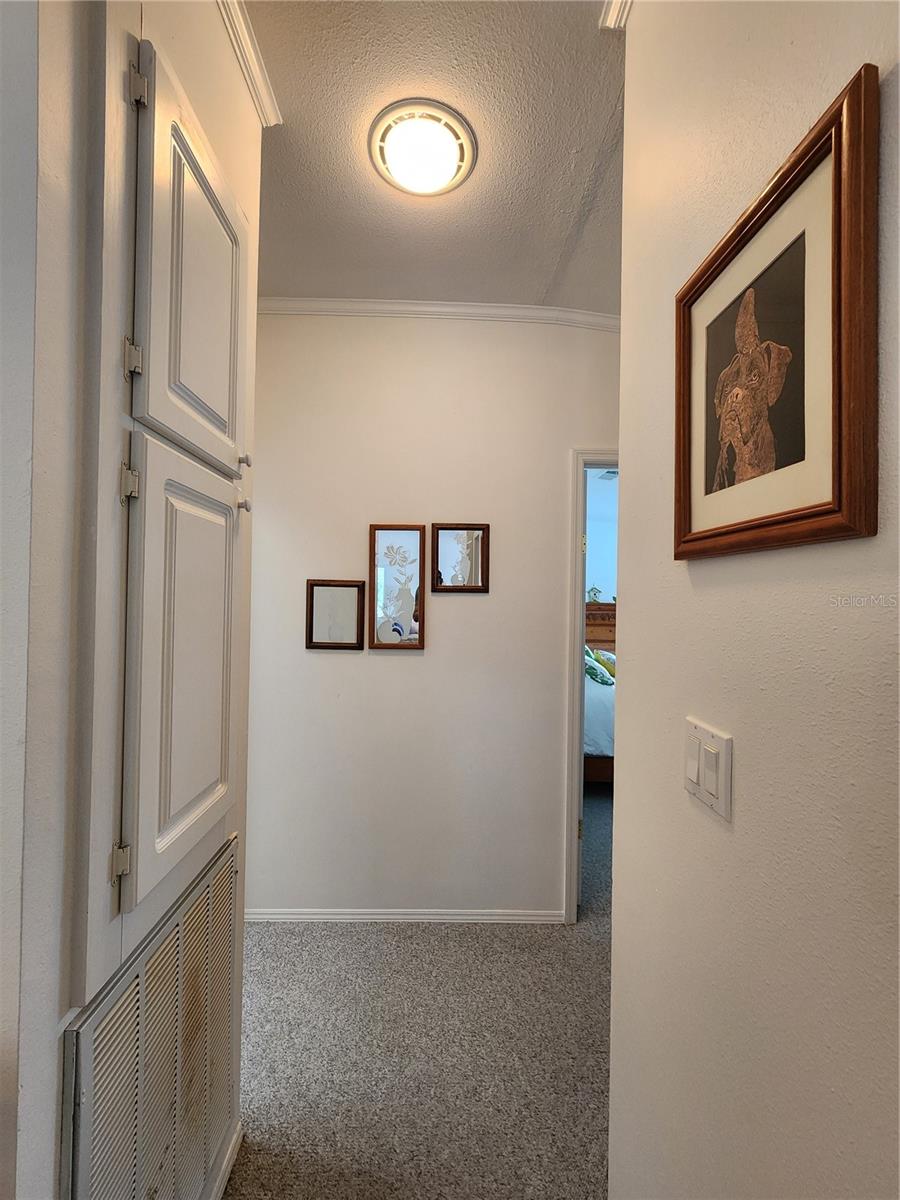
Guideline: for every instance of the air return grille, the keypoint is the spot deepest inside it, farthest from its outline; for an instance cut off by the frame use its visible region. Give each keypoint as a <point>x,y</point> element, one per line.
<point>116,1092</point>
<point>150,1080</point>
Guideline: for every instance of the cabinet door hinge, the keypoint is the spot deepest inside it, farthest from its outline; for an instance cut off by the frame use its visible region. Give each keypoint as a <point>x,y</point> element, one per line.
<point>580,828</point>
<point>584,543</point>
<point>138,87</point>
<point>130,483</point>
<point>133,357</point>
<point>120,863</point>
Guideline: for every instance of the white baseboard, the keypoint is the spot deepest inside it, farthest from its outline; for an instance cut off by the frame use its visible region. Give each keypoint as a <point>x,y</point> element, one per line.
<point>218,1184</point>
<point>518,916</point>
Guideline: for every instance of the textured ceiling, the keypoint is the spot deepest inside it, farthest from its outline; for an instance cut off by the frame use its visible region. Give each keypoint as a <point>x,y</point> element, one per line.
<point>538,221</point>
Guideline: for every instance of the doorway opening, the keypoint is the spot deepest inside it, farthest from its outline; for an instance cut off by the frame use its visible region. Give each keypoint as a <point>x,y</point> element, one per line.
<point>592,666</point>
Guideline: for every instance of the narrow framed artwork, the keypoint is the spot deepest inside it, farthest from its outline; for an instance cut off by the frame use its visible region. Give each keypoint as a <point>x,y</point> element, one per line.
<point>396,594</point>
<point>776,405</point>
<point>335,614</point>
<point>460,558</point>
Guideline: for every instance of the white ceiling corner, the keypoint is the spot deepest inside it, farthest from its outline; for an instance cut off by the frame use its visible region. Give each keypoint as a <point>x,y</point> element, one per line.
<point>246,49</point>
<point>536,225</point>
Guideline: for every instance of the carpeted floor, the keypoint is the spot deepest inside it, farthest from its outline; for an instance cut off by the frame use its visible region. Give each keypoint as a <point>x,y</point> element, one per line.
<point>430,1062</point>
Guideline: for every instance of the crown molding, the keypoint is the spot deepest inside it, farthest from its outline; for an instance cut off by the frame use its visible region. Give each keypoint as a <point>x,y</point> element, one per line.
<point>614,14</point>
<point>530,314</point>
<point>246,49</point>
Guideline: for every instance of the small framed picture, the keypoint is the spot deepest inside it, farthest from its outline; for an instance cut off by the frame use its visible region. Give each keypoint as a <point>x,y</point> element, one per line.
<point>776,342</point>
<point>334,614</point>
<point>460,558</point>
<point>396,595</point>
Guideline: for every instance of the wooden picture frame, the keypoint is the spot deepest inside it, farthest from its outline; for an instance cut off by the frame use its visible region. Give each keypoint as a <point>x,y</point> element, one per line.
<point>707,520</point>
<point>397,600</point>
<point>484,567</point>
<point>312,585</point>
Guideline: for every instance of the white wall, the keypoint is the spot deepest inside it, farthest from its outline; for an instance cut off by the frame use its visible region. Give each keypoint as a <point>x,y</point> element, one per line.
<point>18,215</point>
<point>415,781</point>
<point>70,66</point>
<point>754,968</point>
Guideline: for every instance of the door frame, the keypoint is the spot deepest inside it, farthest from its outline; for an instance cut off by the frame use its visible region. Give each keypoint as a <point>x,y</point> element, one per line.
<point>580,461</point>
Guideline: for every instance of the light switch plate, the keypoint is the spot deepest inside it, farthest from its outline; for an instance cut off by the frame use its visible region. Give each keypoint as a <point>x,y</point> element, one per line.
<point>692,759</point>
<point>717,795</point>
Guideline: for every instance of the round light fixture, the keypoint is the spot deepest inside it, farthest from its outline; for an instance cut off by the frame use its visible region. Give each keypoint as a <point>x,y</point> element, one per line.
<point>422,147</point>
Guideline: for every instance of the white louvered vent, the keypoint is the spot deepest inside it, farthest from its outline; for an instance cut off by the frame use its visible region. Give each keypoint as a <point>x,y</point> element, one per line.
<point>116,1092</point>
<point>221,1008</point>
<point>161,1069</point>
<point>193,1107</point>
<point>151,1104</point>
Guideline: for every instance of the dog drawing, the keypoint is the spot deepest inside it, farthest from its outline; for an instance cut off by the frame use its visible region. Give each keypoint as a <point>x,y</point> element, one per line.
<point>746,390</point>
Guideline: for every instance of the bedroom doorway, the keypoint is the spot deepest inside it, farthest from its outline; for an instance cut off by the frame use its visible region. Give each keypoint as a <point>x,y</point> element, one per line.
<point>593,678</point>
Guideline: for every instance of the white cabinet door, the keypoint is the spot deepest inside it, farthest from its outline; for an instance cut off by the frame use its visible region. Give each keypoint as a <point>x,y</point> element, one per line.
<point>191,280</point>
<point>180,750</point>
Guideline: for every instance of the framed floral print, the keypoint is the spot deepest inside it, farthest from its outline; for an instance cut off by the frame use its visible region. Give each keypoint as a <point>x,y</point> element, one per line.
<point>776,345</point>
<point>396,594</point>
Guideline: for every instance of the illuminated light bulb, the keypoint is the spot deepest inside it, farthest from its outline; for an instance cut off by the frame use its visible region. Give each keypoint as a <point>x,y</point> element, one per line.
<point>422,155</point>
<point>421,146</point>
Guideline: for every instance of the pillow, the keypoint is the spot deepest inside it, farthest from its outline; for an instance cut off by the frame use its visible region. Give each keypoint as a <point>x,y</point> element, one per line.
<point>597,672</point>
<point>607,659</point>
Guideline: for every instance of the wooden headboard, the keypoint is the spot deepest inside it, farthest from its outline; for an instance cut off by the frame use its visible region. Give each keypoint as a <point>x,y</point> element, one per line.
<point>600,626</point>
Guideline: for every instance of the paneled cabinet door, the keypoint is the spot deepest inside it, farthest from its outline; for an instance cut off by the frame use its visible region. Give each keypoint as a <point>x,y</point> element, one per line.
<point>190,280</point>
<point>180,749</point>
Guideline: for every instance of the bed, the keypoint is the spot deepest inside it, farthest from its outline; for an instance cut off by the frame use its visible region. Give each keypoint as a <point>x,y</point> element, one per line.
<point>599,699</point>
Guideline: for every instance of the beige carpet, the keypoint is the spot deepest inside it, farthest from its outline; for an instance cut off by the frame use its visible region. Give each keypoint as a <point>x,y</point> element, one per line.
<point>430,1062</point>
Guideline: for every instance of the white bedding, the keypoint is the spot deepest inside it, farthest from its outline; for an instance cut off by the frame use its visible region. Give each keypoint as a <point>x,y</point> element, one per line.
<point>599,717</point>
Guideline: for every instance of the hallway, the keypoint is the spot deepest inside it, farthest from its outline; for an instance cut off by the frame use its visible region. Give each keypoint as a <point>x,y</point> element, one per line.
<point>430,1062</point>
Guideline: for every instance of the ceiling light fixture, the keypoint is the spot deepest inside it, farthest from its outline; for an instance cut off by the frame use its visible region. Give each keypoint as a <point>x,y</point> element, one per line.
<point>422,147</point>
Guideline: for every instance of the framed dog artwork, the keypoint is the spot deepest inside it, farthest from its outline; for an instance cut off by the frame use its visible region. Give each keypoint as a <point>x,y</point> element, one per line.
<point>776,347</point>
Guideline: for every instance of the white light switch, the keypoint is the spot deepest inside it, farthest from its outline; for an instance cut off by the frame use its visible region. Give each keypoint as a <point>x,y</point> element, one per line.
<point>707,766</point>
<point>710,771</point>
<point>692,759</point>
